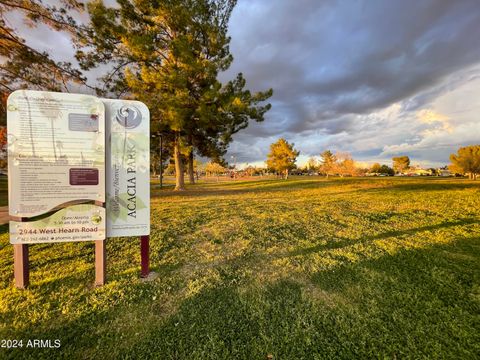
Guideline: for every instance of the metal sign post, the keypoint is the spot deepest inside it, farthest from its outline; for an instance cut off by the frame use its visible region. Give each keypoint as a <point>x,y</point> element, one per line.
<point>145,255</point>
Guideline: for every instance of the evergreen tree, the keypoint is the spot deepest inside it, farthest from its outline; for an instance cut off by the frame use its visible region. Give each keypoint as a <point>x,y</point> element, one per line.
<point>23,66</point>
<point>329,162</point>
<point>168,54</point>
<point>312,164</point>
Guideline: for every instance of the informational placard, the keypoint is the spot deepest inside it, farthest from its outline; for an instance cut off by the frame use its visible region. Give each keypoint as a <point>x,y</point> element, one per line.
<point>128,168</point>
<point>56,165</point>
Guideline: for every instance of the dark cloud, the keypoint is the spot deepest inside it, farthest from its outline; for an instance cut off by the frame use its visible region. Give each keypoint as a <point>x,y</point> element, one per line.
<point>347,75</point>
<point>333,60</point>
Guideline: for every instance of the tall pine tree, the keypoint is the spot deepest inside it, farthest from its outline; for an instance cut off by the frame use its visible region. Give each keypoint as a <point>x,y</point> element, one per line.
<point>168,54</point>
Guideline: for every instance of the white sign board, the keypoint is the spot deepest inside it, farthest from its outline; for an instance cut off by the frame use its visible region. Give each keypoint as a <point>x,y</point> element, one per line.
<point>56,166</point>
<point>128,168</point>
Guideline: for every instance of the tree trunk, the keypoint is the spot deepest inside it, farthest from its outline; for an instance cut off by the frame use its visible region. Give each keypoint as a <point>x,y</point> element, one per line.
<point>191,173</point>
<point>179,176</point>
<point>286,174</point>
<point>154,169</point>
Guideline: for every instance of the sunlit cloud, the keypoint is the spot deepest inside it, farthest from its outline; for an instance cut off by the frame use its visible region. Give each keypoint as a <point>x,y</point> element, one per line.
<point>397,85</point>
<point>432,117</point>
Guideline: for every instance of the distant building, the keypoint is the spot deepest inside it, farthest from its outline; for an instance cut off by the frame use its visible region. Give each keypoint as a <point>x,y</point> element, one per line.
<point>418,171</point>
<point>423,172</point>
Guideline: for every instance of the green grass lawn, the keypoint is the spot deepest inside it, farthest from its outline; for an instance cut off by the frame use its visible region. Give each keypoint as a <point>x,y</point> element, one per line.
<point>301,269</point>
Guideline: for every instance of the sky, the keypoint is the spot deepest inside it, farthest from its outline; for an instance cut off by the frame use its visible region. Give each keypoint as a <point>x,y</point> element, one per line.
<point>375,79</point>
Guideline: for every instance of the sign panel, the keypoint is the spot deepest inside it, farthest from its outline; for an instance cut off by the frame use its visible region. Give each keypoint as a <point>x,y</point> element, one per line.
<point>128,168</point>
<point>56,165</point>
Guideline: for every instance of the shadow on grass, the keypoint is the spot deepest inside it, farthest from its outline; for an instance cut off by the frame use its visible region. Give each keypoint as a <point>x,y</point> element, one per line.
<point>340,242</point>
<point>434,184</point>
<point>361,184</point>
<point>416,303</point>
<point>247,187</point>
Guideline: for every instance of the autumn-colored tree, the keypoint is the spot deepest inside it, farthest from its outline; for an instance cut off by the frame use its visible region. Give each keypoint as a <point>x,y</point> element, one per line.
<point>400,164</point>
<point>312,164</point>
<point>328,163</point>
<point>346,165</point>
<point>168,54</point>
<point>3,147</point>
<point>466,161</point>
<point>214,168</point>
<point>282,157</point>
<point>3,138</point>
<point>250,170</point>
<point>375,168</point>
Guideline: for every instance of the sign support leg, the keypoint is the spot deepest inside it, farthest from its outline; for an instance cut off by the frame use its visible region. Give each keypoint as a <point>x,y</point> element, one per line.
<point>145,255</point>
<point>100,262</point>
<point>21,268</point>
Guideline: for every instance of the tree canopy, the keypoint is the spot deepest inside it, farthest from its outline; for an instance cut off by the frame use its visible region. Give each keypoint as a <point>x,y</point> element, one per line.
<point>382,169</point>
<point>346,165</point>
<point>168,54</point>
<point>22,65</point>
<point>328,162</point>
<point>400,164</point>
<point>466,161</point>
<point>282,157</point>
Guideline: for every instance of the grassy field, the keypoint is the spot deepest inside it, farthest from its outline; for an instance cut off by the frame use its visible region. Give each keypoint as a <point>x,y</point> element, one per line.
<point>302,269</point>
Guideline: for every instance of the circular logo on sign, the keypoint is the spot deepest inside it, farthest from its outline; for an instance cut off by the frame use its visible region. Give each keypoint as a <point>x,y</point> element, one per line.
<point>129,117</point>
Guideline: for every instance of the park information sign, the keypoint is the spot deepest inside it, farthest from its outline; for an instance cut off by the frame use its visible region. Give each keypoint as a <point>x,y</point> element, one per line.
<point>56,165</point>
<point>128,168</point>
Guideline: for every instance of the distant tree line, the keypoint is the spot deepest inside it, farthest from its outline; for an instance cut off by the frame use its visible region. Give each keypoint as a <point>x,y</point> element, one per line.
<point>282,160</point>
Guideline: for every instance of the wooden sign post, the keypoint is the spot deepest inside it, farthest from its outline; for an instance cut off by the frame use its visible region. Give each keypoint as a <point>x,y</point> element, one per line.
<point>56,173</point>
<point>68,183</point>
<point>21,268</point>
<point>100,262</point>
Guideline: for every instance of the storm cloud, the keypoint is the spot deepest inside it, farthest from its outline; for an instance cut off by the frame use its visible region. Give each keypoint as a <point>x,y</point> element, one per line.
<point>353,75</point>
<point>374,78</point>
